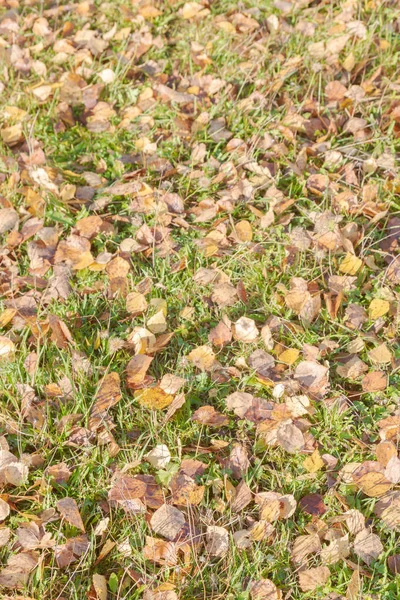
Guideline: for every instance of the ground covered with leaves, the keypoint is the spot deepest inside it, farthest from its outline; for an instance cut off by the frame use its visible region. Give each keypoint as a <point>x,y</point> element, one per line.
<point>199,277</point>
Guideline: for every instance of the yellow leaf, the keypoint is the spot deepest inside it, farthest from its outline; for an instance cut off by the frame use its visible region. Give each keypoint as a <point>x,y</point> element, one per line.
<point>350,264</point>
<point>373,484</point>
<point>6,316</point>
<point>226,26</point>
<point>154,398</point>
<point>289,356</point>
<point>314,462</point>
<point>378,308</point>
<point>244,231</point>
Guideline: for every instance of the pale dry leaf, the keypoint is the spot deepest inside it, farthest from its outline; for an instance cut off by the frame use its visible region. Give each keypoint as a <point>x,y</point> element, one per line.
<point>4,509</point>
<point>311,579</point>
<point>245,330</point>
<point>159,457</point>
<point>217,541</point>
<point>15,574</point>
<point>7,348</point>
<point>264,589</point>
<point>303,546</point>
<point>167,521</point>
<point>367,546</point>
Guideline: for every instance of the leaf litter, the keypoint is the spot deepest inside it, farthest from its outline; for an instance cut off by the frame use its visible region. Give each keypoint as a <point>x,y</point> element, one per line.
<point>199,280</point>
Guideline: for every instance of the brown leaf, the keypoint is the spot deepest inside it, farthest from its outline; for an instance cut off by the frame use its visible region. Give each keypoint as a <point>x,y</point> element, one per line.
<point>136,303</point>
<point>375,381</point>
<point>4,509</point>
<point>16,573</point>
<point>338,549</point>
<point>239,402</point>
<point>313,377</point>
<point>354,587</point>
<point>207,415</point>
<point>68,509</point>
<point>203,358</point>
<point>380,355</point>
<point>393,564</point>
<point>313,504</point>
<point>71,551</point>
<point>60,472</point>
<point>31,536</point>
<point>385,451</point>
<point>224,294</point>
<point>185,491</point>
<point>160,552</point>
<point>108,394</point>
<point>221,334</point>
<point>310,579</point>
<point>370,478</point>
<point>125,491</point>
<point>61,335</point>
<point>304,545</point>
<point>9,219</point>
<point>245,330</point>
<point>264,589</point>
<point>335,91</point>
<point>99,588</point>
<point>242,497</point>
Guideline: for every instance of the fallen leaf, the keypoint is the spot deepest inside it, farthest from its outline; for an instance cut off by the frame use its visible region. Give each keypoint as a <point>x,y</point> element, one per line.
<point>378,308</point>
<point>350,265</point>
<point>380,355</point>
<point>367,546</point>
<point>160,552</point>
<point>313,504</point>
<point>207,415</point>
<point>4,509</point>
<point>314,463</point>
<point>217,541</point>
<point>68,509</point>
<point>374,381</point>
<point>159,457</point>
<point>153,398</point>
<point>245,330</point>
<point>311,579</point>
<point>202,357</point>
<point>264,589</point>
<point>167,521</point>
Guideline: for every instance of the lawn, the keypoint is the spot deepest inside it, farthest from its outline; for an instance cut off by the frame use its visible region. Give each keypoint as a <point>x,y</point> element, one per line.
<point>199,310</point>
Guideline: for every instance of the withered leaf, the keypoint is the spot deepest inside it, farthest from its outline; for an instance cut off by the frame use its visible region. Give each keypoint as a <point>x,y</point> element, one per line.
<point>136,370</point>
<point>15,574</point>
<point>68,509</point>
<point>367,546</point>
<point>313,504</point>
<point>217,541</point>
<point>153,398</point>
<point>167,521</point>
<point>264,589</point>
<point>207,415</point>
<point>310,579</point>
<point>160,552</point>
